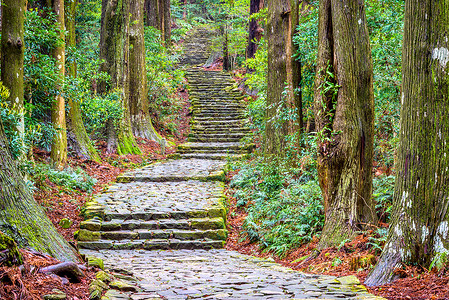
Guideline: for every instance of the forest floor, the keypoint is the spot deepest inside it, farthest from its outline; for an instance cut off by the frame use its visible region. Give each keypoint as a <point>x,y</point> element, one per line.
<point>354,258</point>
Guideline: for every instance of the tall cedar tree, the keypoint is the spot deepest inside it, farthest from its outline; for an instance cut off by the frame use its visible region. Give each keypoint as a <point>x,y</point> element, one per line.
<point>20,216</point>
<point>282,69</point>
<point>114,50</point>
<point>344,114</point>
<point>138,101</point>
<point>78,138</point>
<point>254,30</point>
<point>59,144</point>
<point>13,49</point>
<point>158,15</point>
<point>419,224</point>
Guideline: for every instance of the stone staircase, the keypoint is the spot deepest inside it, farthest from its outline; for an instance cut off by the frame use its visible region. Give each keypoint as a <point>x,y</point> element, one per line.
<point>218,120</point>
<point>177,204</point>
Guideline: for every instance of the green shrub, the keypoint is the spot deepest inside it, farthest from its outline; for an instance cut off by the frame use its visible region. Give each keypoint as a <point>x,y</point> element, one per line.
<point>68,178</point>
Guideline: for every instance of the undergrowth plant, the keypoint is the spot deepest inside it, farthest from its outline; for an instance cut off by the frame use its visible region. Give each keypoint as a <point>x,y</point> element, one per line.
<point>283,203</point>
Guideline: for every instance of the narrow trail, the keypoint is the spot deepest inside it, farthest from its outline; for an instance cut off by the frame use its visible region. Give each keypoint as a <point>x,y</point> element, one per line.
<point>164,224</point>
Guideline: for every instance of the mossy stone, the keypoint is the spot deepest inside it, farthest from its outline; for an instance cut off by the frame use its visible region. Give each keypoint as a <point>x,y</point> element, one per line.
<point>56,295</point>
<point>104,277</point>
<point>88,236</point>
<point>65,223</point>
<point>122,286</point>
<point>93,261</point>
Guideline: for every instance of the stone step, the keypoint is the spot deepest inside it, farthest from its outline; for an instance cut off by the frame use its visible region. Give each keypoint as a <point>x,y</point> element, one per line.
<point>222,110</point>
<point>208,119</point>
<point>154,244</point>
<point>213,146</point>
<point>213,140</point>
<point>158,234</point>
<point>213,212</point>
<point>186,224</point>
<point>213,156</point>
<point>218,130</point>
<point>218,135</point>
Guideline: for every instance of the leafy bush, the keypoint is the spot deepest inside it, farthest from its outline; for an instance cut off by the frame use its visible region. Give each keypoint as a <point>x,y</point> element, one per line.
<point>163,78</point>
<point>383,188</point>
<point>283,203</point>
<point>68,178</point>
<point>100,110</point>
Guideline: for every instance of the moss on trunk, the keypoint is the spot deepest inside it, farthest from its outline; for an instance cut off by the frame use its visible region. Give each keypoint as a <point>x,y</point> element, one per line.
<point>12,54</point>
<point>21,218</point>
<point>138,96</point>
<point>281,77</point>
<point>419,226</point>
<point>344,114</point>
<point>78,137</point>
<point>114,50</point>
<point>58,153</point>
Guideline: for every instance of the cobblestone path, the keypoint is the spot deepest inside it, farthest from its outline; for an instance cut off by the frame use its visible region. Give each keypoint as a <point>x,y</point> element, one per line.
<point>164,225</point>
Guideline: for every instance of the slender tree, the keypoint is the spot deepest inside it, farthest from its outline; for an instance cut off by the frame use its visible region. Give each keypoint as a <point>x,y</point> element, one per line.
<point>138,97</point>
<point>344,114</point>
<point>166,25</point>
<point>114,50</point>
<point>282,81</point>
<point>13,54</point>
<point>419,224</point>
<point>254,30</point>
<point>152,14</point>
<point>59,145</point>
<point>77,135</point>
<point>21,217</point>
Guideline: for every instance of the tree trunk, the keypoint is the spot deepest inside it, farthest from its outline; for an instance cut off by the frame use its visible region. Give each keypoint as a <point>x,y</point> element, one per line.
<point>114,50</point>
<point>78,137</point>
<point>279,103</point>
<point>344,114</point>
<point>59,144</point>
<point>254,30</point>
<point>419,226</point>
<point>21,217</point>
<point>226,63</point>
<point>138,100</point>
<point>12,51</point>
<point>167,22</point>
<point>152,13</point>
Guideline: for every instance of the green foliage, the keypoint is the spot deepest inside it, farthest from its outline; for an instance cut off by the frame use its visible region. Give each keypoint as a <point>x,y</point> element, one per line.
<point>283,203</point>
<point>40,73</point>
<point>11,121</point>
<point>98,111</point>
<point>439,261</point>
<point>377,241</point>
<point>163,81</point>
<point>383,188</point>
<point>68,178</point>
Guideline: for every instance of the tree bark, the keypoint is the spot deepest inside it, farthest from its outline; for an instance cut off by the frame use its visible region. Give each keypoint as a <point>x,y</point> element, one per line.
<point>280,100</point>
<point>78,136</point>
<point>21,217</point>
<point>139,106</point>
<point>419,226</point>
<point>152,14</point>
<point>344,114</point>
<point>167,22</point>
<point>58,153</point>
<point>114,50</point>
<point>254,30</point>
<point>226,62</point>
<point>12,55</point>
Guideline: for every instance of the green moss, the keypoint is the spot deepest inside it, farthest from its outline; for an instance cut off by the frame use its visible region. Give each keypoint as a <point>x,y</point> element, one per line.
<point>13,256</point>
<point>87,235</point>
